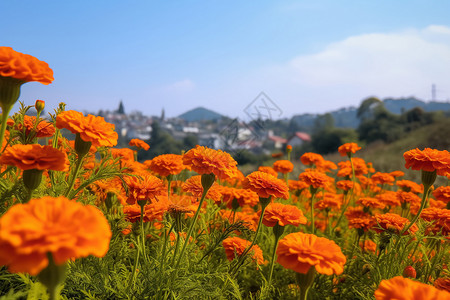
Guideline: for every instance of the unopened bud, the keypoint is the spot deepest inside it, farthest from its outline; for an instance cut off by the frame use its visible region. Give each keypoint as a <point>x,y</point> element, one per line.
<point>39,105</point>
<point>409,272</point>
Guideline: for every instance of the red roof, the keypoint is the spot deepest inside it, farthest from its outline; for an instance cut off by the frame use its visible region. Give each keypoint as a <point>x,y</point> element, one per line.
<point>278,139</point>
<point>304,136</point>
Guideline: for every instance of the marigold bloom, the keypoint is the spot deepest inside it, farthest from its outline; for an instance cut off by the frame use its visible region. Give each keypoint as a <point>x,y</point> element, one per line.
<point>383,178</point>
<point>344,185</point>
<point>296,185</point>
<point>359,219</point>
<point>329,201</point>
<point>408,197</point>
<point>400,288</point>
<point>235,245</point>
<point>442,284</point>
<point>43,128</point>
<point>368,245</point>
<point>242,196</point>
<point>250,220</point>
<point>65,228</point>
<point>397,174</point>
<point>315,179</point>
<point>182,204</point>
<point>300,251</point>
<point>194,186</point>
<point>91,128</point>
<point>204,160</point>
<point>145,188</point>
<point>282,214</point>
<point>266,185</point>
<point>34,156</point>
<point>439,218</point>
<point>410,186</point>
<point>153,211</point>
<point>347,148</point>
<point>393,222</point>
<point>24,67</point>
<point>138,143</point>
<point>326,166</point>
<point>345,167</point>
<point>428,160</point>
<point>167,164</point>
<point>268,170</point>
<point>122,153</point>
<point>283,166</point>
<point>442,193</point>
<point>311,158</point>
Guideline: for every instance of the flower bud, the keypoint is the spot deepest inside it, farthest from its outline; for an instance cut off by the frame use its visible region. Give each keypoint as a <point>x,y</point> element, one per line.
<point>39,105</point>
<point>409,272</point>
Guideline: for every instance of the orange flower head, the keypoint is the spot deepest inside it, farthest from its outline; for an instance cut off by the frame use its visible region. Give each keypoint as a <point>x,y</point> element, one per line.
<point>122,153</point>
<point>283,166</point>
<point>182,204</point>
<point>382,178</point>
<point>91,128</point>
<point>311,158</point>
<point>139,144</point>
<point>410,186</point>
<point>408,197</point>
<point>24,67</point>
<point>153,211</point>
<point>43,128</point>
<point>147,187</point>
<point>266,185</point>
<point>268,170</point>
<point>39,105</point>
<point>442,284</point>
<point>194,186</point>
<point>345,167</point>
<point>442,193</point>
<point>34,156</point>
<point>67,229</point>
<point>400,288</point>
<point>167,164</point>
<point>439,219</point>
<point>348,148</point>
<point>204,160</point>
<point>393,222</point>
<point>244,197</point>
<point>329,201</point>
<point>297,185</point>
<point>428,160</point>
<point>300,251</point>
<point>344,185</point>
<point>389,198</point>
<point>235,245</point>
<point>359,219</point>
<point>283,214</point>
<point>397,174</point>
<point>315,179</point>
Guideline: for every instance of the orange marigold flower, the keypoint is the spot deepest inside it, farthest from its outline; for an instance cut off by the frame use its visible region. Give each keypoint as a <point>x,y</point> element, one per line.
<point>266,185</point>
<point>329,201</point>
<point>283,166</point>
<point>91,128</point>
<point>344,185</point>
<point>393,222</point>
<point>400,288</point>
<point>235,245</point>
<point>345,167</point>
<point>139,144</point>
<point>65,228</point>
<point>410,186</point>
<point>442,193</point>
<point>348,148</point>
<point>439,218</point>
<point>408,197</point>
<point>368,245</point>
<point>300,251</point>
<point>43,128</point>
<point>428,160</point>
<point>371,202</point>
<point>326,166</point>
<point>389,198</point>
<point>153,211</point>
<point>382,178</point>
<point>145,187</point>
<point>296,185</point>
<point>315,179</point>
<point>268,170</point>
<point>24,67</point>
<point>359,219</point>
<point>243,197</point>
<point>397,174</point>
<point>122,153</point>
<point>277,155</point>
<point>311,158</point>
<point>167,164</point>
<point>204,160</point>
<point>194,186</point>
<point>442,284</point>
<point>182,204</point>
<point>35,156</point>
<point>282,214</point>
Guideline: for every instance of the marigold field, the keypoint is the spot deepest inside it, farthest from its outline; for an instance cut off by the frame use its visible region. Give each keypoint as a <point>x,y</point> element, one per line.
<point>81,219</point>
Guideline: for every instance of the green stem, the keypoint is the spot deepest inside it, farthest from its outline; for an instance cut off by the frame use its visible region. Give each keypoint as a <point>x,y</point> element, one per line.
<point>5,115</point>
<point>426,189</point>
<point>272,262</point>
<point>75,174</point>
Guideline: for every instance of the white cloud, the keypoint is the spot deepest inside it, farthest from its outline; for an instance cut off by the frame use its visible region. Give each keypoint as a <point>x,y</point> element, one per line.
<point>184,85</point>
<point>395,64</point>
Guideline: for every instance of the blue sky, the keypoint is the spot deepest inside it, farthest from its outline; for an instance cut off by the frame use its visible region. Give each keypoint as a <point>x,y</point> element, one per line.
<point>307,56</point>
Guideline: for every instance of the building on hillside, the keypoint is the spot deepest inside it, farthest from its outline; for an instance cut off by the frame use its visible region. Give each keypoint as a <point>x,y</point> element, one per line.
<point>299,138</point>
<point>277,142</point>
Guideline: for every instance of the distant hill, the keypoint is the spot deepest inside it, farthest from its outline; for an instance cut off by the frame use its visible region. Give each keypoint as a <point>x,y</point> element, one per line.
<point>346,117</point>
<point>200,114</point>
